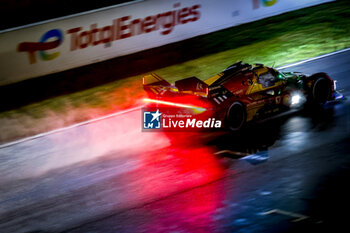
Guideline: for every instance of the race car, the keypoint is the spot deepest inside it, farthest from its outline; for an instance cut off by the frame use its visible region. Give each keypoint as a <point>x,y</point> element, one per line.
<point>243,92</point>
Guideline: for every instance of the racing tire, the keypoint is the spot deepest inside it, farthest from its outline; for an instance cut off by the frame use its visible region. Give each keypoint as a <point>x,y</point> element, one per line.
<point>236,116</point>
<point>320,91</point>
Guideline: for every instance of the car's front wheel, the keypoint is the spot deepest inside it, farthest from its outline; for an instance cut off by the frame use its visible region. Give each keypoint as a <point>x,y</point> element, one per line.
<point>236,116</point>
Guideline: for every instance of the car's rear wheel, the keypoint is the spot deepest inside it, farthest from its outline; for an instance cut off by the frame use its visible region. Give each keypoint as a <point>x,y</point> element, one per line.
<point>236,116</point>
<point>321,90</point>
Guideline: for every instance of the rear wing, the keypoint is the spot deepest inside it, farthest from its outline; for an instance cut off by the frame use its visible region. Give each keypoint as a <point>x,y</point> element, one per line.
<point>154,85</point>
<point>154,80</point>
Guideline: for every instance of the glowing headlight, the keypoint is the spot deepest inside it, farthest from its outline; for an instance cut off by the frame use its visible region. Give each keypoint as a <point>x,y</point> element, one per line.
<point>335,84</point>
<point>295,99</point>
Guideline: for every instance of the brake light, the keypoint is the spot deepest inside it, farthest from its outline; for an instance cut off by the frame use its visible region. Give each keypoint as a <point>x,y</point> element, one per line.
<point>195,108</point>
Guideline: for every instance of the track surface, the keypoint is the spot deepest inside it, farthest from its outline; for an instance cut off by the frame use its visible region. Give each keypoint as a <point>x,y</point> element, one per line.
<point>110,177</point>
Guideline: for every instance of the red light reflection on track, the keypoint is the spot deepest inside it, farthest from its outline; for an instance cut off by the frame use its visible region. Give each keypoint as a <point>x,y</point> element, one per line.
<point>192,211</point>
<point>195,165</point>
<point>166,164</point>
<point>193,170</point>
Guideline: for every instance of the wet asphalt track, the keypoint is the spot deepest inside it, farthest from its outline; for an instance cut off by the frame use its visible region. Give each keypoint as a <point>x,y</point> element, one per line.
<point>287,174</point>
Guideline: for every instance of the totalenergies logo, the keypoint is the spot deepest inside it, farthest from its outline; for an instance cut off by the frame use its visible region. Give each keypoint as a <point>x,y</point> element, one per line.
<point>266,3</point>
<point>42,46</point>
<point>126,27</point>
<point>119,28</point>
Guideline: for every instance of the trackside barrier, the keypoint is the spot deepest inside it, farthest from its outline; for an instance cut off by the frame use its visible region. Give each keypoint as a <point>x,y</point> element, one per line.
<point>74,41</point>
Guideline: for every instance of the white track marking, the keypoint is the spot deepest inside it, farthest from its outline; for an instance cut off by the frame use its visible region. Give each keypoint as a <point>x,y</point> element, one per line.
<point>139,107</point>
<point>313,59</point>
<point>298,217</point>
<point>70,127</point>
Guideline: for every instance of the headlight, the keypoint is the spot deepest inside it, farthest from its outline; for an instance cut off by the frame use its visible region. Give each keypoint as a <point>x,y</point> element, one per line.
<point>296,99</point>
<point>335,85</point>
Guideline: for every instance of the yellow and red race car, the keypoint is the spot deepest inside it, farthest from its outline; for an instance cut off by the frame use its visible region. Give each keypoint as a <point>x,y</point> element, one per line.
<point>243,92</point>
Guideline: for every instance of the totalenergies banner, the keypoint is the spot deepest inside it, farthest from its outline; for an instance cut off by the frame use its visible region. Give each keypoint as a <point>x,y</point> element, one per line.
<point>78,40</point>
